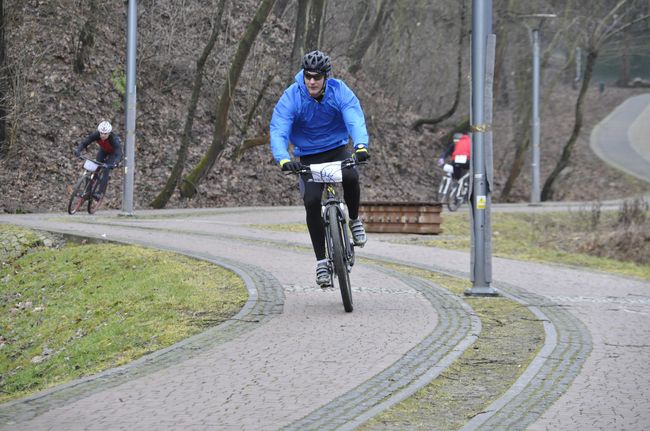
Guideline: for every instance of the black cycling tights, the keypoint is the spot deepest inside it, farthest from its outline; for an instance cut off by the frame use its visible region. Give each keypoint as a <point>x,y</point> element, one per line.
<point>107,158</point>
<point>312,193</point>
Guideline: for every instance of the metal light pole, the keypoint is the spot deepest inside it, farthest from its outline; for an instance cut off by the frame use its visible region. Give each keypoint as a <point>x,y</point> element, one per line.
<point>535,121</point>
<point>129,150</point>
<point>535,191</point>
<point>480,202</point>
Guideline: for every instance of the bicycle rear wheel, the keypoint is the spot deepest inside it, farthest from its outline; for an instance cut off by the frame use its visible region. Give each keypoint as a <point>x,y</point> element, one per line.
<point>78,195</point>
<point>336,227</point>
<point>94,204</point>
<point>454,201</point>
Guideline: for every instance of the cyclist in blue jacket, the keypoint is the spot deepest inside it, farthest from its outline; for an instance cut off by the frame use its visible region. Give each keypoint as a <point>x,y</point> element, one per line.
<point>319,114</point>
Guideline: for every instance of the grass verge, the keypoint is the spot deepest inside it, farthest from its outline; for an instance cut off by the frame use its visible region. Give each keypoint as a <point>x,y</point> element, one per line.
<point>81,309</point>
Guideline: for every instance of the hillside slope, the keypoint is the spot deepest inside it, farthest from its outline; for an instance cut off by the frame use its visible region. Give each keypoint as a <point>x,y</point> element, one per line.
<point>58,107</point>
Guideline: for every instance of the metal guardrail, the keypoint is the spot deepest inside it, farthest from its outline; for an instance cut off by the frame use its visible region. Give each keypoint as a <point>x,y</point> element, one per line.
<point>402,217</point>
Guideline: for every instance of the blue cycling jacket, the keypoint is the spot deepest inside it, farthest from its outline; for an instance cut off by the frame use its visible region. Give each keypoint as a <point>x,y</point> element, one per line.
<point>314,127</point>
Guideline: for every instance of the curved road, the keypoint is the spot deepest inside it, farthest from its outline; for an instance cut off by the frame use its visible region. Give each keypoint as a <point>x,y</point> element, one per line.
<point>292,359</point>
<point>622,138</point>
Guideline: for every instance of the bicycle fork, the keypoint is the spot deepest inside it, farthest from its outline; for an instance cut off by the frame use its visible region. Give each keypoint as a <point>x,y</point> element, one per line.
<point>347,242</point>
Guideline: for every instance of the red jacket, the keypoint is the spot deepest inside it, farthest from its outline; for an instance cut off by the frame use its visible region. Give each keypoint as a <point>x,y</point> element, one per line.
<point>463,147</point>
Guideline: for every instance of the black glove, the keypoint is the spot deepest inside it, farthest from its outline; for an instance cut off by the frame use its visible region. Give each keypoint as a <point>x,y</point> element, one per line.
<point>77,151</point>
<point>112,165</point>
<point>291,166</point>
<point>361,153</point>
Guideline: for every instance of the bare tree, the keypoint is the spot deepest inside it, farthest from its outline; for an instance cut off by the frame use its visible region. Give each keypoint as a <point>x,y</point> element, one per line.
<point>462,6</point>
<point>220,136</point>
<point>595,33</point>
<point>280,7</point>
<point>4,81</point>
<point>85,39</point>
<point>361,45</point>
<point>174,177</point>
<point>313,37</point>
<point>299,37</point>
<point>308,34</point>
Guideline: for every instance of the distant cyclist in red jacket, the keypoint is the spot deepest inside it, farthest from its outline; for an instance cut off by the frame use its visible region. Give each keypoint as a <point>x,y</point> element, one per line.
<point>110,150</point>
<point>460,149</point>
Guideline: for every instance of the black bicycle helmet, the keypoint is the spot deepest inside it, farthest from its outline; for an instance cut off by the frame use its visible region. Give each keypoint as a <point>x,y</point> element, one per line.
<point>317,61</point>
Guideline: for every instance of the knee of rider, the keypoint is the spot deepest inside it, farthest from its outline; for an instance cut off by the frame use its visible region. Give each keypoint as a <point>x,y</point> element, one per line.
<point>350,176</point>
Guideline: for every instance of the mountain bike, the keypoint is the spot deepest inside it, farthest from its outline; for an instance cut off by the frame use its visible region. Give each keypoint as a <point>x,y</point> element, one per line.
<point>338,243</point>
<point>87,186</point>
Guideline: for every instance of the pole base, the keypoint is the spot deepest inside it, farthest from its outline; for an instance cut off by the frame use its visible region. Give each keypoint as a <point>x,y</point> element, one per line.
<point>125,214</point>
<point>481,291</point>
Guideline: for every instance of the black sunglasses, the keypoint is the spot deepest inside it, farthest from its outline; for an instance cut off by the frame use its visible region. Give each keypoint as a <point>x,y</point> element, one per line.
<point>314,76</point>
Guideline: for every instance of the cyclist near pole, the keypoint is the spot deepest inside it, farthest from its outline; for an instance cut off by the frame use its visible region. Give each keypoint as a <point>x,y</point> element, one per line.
<point>318,114</point>
<point>110,151</point>
<point>460,149</point>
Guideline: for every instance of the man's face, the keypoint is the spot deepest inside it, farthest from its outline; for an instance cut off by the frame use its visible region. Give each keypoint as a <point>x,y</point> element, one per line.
<point>103,136</point>
<point>314,82</point>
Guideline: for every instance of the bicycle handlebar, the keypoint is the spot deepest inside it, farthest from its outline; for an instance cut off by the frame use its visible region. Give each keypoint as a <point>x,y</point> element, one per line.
<point>345,163</point>
<point>102,164</point>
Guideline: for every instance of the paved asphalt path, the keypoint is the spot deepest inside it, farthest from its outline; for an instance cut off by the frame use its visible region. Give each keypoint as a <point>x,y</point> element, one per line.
<point>622,138</point>
<point>293,359</point>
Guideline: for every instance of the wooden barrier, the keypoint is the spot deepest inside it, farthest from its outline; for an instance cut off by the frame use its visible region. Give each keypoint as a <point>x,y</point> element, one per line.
<point>407,217</point>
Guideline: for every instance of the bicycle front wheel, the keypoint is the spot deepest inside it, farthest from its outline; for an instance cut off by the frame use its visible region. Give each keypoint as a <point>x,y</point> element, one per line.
<point>339,259</point>
<point>78,195</point>
<point>94,204</point>
<point>454,201</point>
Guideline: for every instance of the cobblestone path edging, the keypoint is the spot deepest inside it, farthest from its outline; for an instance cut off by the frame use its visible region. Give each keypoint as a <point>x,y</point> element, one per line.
<point>547,377</point>
<point>266,299</point>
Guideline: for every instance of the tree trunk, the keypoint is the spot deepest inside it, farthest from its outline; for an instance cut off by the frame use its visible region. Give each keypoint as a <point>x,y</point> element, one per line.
<point>4,83</point>
<point>624,77</point>
<point>220,136</point>
<point>174,177</point>
<point>314,28</point>
<point>547,190</point>
<point>459,77</point>
<point>280,7</point>
<point>86,39</point>
<point>298,49</point>
<point>522,115</point>
<point>238,153</point>
<point>518,160</point>
<point>360,48</point>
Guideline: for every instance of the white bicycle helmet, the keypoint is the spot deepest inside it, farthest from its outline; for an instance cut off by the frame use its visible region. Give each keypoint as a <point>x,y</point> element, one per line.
<point>105,127</point>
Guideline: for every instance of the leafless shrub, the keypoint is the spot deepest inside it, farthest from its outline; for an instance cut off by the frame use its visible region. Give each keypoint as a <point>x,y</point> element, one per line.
<point>633,213</point>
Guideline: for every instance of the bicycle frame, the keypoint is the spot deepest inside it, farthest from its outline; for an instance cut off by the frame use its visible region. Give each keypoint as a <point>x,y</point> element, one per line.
<point>463,187</point>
